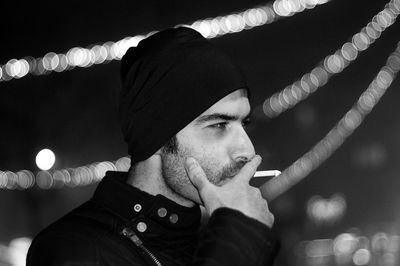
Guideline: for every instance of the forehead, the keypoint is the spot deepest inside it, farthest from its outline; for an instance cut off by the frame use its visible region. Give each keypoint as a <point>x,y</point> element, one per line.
<point>235,103</point>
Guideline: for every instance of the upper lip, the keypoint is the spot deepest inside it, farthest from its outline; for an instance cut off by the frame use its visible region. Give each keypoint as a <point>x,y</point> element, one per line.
<point>233,174</point>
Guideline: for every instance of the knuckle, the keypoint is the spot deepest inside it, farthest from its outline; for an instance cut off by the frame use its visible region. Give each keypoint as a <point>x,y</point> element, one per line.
<point>271,217</point>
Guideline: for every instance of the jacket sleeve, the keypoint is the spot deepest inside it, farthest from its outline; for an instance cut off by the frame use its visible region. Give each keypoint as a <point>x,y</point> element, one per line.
<point>232,238</point>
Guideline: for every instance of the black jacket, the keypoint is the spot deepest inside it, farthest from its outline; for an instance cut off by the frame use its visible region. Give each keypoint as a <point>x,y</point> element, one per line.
<point>122,225</point>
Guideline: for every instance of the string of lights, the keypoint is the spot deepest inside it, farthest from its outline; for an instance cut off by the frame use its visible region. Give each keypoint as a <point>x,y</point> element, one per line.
<point>57,179</point>
<point>332,64</point>
<point>89,174</point>
<point>339,133</point>
<point>108,51</point>
<point>92,173</point>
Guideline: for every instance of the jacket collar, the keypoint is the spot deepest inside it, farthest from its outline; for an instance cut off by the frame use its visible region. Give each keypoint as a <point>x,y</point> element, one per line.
<point>135,206</point>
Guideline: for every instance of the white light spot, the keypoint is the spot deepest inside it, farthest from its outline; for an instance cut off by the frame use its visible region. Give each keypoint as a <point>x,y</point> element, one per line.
<point>205,29</point>
<point>344,244</point>
<point>18,250</point>
<point>45,159</point>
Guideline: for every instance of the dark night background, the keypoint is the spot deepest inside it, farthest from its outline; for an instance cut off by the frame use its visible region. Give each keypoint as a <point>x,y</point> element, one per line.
<point>74,112</point>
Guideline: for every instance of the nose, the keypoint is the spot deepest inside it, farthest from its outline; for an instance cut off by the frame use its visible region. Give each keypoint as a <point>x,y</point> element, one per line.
<point>241,148</point>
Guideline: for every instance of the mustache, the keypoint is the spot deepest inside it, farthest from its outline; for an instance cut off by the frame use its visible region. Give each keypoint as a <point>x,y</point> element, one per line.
<point>232,169</point>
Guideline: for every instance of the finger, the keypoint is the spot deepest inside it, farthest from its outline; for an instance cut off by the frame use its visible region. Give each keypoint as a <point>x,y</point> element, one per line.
<point>249,169</point>
<point>196,174</point>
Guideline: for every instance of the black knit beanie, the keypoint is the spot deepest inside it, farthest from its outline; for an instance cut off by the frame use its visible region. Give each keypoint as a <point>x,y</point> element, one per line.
<point>168,80</point>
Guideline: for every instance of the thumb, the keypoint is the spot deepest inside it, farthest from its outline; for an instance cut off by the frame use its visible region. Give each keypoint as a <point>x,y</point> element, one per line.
<point>196,174</point>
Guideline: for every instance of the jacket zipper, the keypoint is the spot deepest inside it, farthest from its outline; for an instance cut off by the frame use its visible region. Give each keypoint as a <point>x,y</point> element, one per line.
<point>129,233</point>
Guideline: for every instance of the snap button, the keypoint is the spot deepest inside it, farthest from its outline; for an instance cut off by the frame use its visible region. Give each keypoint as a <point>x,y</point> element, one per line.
<point>137,207</point>
<point>173,218</point>
<point>162,212</point>
<point>141,227</point>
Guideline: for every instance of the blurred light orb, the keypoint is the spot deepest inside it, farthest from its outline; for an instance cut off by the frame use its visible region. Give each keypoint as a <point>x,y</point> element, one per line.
<point>345,244</point>
<point>45,159</point>
<point>394,62</point>
<point>349,51</point>
<point>123,164</point>
<point>3,179</point>
<point>380,242</point>
<point>320,75</point>
<point>389,259</point>
<point>319,248</point>
<point>44,180</point>
<point>204,28</point>
<point>385,18</point>
<point>250,18</point>
<point>18,250</point>
<point>362,257</point>
<point>361,41</point>
<point>63,63</point>
<point>26,179</point>
<point>371,32</point>
<point>11,179</point>
<point>329,211</point>
<point>59,179</point>
<point>334,63</point>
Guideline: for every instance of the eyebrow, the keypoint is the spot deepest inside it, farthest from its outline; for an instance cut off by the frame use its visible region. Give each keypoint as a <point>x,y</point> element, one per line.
<point>219,116</point>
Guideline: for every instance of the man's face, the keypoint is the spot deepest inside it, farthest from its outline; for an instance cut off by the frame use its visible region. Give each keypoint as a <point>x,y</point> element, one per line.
<point>217,140</point>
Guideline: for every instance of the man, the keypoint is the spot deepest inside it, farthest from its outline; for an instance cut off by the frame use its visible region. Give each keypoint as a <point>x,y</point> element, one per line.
<point>183,110</point>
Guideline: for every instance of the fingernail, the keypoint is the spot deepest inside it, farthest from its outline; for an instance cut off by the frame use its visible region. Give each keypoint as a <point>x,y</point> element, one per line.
<point>190,161</point>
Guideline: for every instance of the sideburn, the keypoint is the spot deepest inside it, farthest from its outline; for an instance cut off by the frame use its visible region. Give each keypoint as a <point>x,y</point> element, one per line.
<point>171,146</point>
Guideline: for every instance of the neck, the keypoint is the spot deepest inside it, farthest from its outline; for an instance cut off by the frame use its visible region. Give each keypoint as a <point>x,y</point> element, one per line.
<point>147,176</point>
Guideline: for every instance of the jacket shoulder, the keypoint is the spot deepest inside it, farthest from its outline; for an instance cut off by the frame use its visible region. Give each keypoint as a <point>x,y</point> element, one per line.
<point>85,236</point>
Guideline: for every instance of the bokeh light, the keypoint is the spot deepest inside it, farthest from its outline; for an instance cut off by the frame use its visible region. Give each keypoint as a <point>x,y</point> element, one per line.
<point>331,64</point>
<point>350,248</point>
<point>123,164</point>
<point>326,211</point>
<point>44,180</point>
<point>209,28</point>
<point>26,179</point>
<point>11,180</point>
<point>362,257</point>
<point>337,135</point>
<point>60,178</point>
<point>18,250</point>
<point>45,159</point>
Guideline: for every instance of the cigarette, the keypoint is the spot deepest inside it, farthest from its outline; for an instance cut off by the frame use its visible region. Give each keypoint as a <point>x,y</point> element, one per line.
<point>267,173</point>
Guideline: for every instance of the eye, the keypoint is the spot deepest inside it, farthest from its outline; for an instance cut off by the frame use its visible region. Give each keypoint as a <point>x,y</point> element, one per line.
<point>221,125</point>
<point>246,122</point>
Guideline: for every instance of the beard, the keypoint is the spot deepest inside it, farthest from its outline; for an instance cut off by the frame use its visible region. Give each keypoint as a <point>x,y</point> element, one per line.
<point>176,178</point>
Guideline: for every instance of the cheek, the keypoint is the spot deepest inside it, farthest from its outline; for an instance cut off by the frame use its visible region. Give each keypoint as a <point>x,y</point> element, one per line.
<point>206,148</point>
<point>212,161</point>
<point>211,154</point>
<point>205,153</point>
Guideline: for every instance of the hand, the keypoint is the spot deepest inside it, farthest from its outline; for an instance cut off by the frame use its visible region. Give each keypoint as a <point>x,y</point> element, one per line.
<point>236,194</point>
